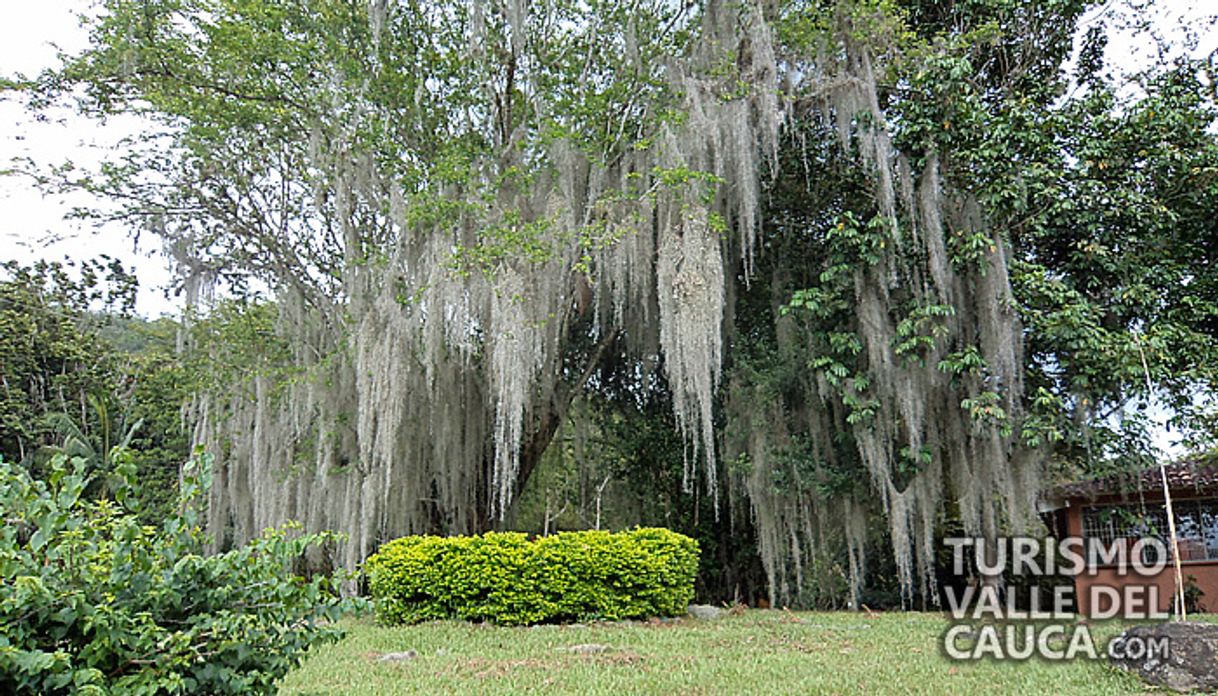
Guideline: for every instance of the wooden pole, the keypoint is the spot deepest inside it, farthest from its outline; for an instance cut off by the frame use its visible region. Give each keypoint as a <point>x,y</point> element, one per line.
<point>1181,611</point>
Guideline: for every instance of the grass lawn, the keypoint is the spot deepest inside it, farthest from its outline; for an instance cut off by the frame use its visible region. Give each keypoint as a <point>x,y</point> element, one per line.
<point>756,652</point>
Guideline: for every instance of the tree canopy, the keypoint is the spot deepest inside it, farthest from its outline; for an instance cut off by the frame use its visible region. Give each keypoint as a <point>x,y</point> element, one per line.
<point>879,259</point>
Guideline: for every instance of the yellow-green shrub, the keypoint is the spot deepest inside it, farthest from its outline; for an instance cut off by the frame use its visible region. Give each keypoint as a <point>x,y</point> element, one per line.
<point>507,579</point>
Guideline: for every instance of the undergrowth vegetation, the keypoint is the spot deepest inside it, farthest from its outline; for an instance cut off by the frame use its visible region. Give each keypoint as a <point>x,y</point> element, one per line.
<point>94,601</point>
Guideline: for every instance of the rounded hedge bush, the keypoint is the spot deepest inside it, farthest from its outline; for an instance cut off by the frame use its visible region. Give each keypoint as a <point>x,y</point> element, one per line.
<point>507,579</point>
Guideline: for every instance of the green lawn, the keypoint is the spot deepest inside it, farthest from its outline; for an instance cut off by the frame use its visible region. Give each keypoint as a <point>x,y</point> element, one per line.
<point>756,652</point>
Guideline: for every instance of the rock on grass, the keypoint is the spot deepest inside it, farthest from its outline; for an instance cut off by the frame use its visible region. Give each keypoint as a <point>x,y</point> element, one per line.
<point>1191,662</point>
<point>399,656</point>
<point>705,612</point>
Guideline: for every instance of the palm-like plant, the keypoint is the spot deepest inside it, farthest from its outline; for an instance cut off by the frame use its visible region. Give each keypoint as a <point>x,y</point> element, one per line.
<point>99,441</point>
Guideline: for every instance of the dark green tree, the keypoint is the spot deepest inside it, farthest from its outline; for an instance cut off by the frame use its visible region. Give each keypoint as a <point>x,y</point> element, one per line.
<point>880,259</point>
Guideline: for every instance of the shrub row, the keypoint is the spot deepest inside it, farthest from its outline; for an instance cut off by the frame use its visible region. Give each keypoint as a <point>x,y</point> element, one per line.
<point>505,578</point>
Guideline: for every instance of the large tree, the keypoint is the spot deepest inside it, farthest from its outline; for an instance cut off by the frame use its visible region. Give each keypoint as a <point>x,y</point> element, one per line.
<point>881,218</point>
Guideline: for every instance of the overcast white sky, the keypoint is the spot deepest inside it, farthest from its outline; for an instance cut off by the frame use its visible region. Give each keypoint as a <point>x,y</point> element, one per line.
<point>33,227</point>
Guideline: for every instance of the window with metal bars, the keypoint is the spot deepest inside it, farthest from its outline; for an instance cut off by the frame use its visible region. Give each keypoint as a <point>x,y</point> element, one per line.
<point>1196,526</point>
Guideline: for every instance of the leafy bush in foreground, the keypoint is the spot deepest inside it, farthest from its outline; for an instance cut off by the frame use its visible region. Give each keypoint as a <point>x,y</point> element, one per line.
<point>93,601</point>
<point>507,579</point>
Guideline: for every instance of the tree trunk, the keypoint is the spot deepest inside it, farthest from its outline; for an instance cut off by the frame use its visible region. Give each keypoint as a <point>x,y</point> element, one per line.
<point>548,422</point>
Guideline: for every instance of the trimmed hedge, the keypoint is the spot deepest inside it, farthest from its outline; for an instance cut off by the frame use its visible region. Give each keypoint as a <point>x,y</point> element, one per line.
<point>507,579</point>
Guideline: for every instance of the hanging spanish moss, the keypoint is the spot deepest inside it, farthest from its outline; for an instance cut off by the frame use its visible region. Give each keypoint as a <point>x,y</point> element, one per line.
<point>923,370</point>
<point>475,294</point>
<point>414,393</point>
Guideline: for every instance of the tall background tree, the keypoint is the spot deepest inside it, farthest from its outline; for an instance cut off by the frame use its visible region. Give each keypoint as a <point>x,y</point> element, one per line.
<point>872,260</point>
<point>81,376</point>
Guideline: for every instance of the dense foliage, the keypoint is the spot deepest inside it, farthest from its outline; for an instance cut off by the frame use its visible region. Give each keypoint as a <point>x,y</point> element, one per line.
<point>83,377</point>
<point>505,578</point>
<point>881,264</point>
<point>52,357</point>
<point>94,601</point>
